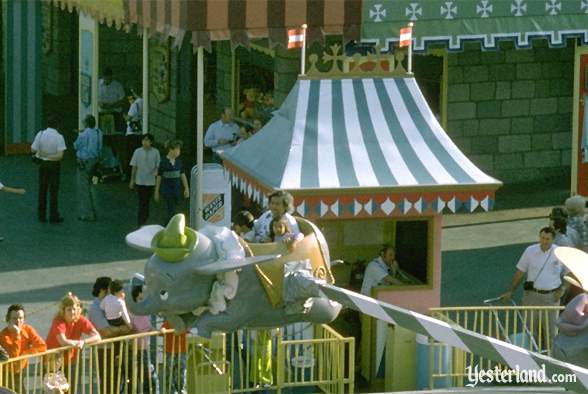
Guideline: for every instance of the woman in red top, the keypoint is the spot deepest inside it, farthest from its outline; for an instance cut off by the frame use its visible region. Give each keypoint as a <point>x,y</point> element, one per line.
<point>69,325</point>
<point>19,339</point>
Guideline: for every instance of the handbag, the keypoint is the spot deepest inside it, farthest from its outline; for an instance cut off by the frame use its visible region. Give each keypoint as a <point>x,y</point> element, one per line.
<point>136,126</point>
<point>55,382</point>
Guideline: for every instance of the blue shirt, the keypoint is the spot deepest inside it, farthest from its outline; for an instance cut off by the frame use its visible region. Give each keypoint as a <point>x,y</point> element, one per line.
<point>88,144</point>
<point>220,131</point>
<point>170,177</point>
<point>96,315</point>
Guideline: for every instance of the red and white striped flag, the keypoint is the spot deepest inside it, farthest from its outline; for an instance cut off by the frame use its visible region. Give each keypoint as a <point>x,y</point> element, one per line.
<point>295,38</point>
<point>405,36</point>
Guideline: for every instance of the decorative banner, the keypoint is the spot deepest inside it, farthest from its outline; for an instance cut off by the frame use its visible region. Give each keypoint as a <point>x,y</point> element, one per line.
<point>488,21</point>
<point>160,71</point>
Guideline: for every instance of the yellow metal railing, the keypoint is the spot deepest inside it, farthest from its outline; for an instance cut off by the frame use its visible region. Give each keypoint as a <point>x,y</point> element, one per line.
<point>530,327</point>
<point>241,362</point>
<point>263,360</point>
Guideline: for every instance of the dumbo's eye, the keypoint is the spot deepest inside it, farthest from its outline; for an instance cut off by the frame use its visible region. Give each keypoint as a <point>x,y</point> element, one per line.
<point>163,295</point>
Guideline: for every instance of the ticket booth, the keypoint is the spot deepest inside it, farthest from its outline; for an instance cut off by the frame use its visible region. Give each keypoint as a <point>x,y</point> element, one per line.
<point>366,160</point>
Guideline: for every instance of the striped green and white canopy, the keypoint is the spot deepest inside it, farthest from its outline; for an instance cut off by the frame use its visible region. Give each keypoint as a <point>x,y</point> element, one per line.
<point>359,147</point>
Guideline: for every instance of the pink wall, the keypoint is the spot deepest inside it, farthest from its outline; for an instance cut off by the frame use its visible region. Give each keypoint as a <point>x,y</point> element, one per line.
<point>420,299</point>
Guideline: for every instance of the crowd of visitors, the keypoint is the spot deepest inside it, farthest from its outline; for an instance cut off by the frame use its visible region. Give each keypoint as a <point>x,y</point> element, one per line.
<point>74,327</point>
<point>107,316</point>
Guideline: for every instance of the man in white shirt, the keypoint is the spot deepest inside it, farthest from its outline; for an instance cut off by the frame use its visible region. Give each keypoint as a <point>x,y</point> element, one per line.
<point>49,146</point>
<point>543,271</point>
<point>281,204</point>
<point>222,132</point>
<point>134,130</point>
<point>381,270</point>
<point>145,164</point>
<point>111,99</point>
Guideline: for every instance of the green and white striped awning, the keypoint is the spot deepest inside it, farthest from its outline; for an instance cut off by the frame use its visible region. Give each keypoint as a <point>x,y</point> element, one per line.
<point>359,147</point>
<point>487,21</point>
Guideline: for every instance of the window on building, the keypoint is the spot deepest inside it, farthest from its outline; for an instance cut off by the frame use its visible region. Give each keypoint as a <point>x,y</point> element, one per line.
<point>358,241</point>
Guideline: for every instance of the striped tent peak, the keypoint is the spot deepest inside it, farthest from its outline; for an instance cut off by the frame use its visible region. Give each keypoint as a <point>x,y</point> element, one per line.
<point>356,133</point>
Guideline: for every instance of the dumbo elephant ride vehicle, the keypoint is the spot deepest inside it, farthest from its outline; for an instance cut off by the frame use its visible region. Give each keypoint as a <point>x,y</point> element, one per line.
<point>212,280</point>
<point>571,343</point>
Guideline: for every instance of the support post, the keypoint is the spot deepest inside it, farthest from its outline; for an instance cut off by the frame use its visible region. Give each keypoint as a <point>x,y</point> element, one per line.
<point>303,57</point>
<point>410,50</point>
<point>145,115</point>
<point>199,135</point>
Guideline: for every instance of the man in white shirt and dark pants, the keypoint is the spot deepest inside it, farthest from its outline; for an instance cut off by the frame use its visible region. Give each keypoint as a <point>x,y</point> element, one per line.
<point>49,146</point>
<point>144,164</point>
<point>543,285</point>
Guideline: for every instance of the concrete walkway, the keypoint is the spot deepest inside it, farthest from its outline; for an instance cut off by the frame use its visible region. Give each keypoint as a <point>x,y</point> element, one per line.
<point>39,262</point>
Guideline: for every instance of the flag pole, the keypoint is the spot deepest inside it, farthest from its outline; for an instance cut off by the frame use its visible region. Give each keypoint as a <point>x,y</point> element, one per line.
<point>303,57</point>
<point>410,24</point>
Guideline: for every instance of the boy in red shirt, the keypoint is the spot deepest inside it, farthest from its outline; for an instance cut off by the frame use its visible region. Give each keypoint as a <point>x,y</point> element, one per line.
<point>18,338</point>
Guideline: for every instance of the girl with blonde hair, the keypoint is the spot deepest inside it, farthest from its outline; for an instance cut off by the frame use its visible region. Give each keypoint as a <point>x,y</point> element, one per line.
<point>69,325</point>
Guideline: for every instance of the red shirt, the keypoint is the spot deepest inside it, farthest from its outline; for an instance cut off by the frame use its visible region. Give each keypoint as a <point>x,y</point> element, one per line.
<point>174,345</point>
<point>72,330</point>
<point>27,342</point>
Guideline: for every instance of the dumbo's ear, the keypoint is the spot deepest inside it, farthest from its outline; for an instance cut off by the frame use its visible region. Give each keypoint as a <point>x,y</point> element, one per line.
<point>216,267</point>
<point>141,238</point>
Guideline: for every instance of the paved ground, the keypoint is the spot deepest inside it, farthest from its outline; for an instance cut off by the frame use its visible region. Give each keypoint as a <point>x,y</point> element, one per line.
<point>40,262</point>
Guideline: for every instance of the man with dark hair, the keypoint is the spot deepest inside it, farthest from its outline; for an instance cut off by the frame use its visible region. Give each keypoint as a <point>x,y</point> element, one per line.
<point>544,272</point>
<point>18,338</point>
<point>144,164</point>
<point>48,146</point>
<point>560,213</point>
<point>88,146</point>
<point>243,225</point>
<point>559,224</point>
<point>281,204</point>
<point>383,270</point>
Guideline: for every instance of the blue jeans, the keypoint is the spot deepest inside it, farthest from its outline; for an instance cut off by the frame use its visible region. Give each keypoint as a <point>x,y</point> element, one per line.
<point>149,377</point>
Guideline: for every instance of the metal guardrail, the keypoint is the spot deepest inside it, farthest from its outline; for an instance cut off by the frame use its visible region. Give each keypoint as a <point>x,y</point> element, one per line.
<point>524,326</point>
<point>232,363</point>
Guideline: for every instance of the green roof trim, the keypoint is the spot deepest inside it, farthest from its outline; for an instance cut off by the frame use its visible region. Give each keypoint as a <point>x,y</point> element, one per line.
<point>487,21</point>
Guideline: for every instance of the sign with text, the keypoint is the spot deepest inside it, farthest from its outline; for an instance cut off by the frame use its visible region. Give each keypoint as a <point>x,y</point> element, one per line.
<point>216,196</point>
